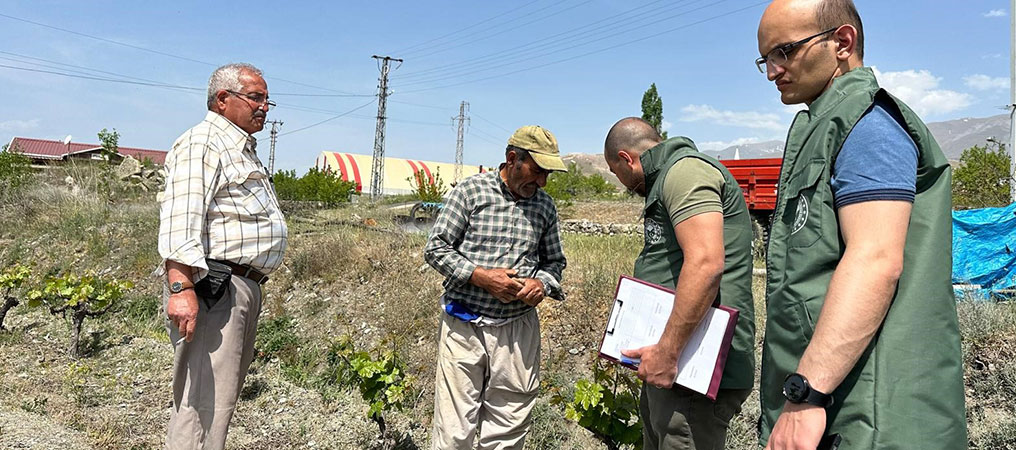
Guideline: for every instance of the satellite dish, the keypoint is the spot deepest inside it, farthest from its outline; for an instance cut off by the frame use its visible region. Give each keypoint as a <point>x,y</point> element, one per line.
<point>67,140</point>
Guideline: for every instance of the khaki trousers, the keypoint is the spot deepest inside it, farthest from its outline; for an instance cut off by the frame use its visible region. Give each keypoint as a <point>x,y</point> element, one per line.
<point>487,381</point>
<point>679,419</point>
<point>208,372</point>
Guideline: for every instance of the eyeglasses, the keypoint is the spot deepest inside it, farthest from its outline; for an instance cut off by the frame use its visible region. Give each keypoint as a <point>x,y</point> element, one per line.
<point>778,56</point>
<point>258,99</point>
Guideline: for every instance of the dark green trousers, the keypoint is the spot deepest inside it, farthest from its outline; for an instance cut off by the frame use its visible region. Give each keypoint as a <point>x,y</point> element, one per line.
<point>679,419</point>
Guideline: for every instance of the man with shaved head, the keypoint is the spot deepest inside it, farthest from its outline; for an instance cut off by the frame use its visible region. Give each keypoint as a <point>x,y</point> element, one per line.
<point>697,242</point>
<point>862,339</point>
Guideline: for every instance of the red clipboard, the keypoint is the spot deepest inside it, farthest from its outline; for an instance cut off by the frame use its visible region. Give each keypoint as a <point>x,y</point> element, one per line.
<point>721,352</point>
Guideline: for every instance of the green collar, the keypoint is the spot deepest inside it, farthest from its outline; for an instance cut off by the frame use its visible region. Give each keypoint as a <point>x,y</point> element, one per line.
<point>859,79</point>
<point>654,159</point>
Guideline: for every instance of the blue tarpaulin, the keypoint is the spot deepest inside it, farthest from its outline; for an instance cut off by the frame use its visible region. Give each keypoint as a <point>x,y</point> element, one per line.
<point>984,252</point>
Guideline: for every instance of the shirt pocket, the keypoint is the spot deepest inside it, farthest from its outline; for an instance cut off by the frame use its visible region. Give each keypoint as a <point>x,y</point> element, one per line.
<point>250,182</point>
<point>805,210</point>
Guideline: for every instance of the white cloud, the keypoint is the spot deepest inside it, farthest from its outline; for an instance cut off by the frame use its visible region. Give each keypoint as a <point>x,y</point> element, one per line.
<point>19,125</point>
<point>995,13</point>
<point>745,119</point>
<point>986,83</point>
<point>665,126</point>
<point>920,90</point>
<point>712,146</point>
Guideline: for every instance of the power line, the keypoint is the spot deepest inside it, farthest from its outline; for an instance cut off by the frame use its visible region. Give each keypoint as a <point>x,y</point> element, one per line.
<point>329,119</point>
<point>111,80</point>
<point>442,108</point>
<point>468,41</point>
<point>416,47</point>
<point>517,49</point>
<point>157,52</point>
<point>492,123</point>
<point>543,65</point>
<point>498,65</point>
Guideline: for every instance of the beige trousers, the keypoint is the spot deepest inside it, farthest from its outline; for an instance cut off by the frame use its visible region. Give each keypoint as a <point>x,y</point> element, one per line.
<point>679,419</point>
<point>208,372</point>
<point>487,381</point>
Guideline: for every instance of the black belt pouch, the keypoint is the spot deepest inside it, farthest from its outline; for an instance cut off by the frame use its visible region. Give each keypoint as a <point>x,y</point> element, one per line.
<point>213,286</point>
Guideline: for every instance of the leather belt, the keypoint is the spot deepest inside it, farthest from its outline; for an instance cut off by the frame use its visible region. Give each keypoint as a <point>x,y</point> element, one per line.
<point>246,271</point>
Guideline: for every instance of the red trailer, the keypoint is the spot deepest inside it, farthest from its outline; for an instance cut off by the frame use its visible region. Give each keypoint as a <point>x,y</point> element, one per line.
<point>758,179</point>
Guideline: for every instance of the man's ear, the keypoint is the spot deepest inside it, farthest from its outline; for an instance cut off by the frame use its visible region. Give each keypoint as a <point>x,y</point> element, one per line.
<point>220,99</point>
<point>511,156</point>
<point>846,41</point>
<point>626,156</point>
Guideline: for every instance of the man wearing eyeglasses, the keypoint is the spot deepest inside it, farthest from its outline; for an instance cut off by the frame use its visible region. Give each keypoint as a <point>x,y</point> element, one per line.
<point>862,339</point>
<point>221,232</point>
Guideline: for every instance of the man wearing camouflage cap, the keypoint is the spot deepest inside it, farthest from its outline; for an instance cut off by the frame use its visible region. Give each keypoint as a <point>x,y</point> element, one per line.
<point>498,244</point>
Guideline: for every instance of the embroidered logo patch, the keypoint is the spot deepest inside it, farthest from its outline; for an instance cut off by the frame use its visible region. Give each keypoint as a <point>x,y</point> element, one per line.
<point>802,215</point>
<point>653,233</point>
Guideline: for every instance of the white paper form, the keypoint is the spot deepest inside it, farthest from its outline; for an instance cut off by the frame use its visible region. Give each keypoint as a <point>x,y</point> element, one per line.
<point>638,317</point>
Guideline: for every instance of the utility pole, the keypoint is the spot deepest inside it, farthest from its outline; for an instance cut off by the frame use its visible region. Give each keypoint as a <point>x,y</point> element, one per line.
<point>378,167</point>
<point>462,118</point>
<point>1012,100</point>
<point>271,153</point>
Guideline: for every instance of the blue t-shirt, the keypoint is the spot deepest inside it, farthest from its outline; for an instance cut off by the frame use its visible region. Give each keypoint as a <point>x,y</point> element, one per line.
<point>878,160</point>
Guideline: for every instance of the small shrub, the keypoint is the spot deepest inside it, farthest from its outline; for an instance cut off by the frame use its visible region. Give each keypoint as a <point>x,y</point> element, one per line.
<point>315,186</point>
<point>12,280</point>
<point>573,184</point>
<point>426,189</point>
<point>382,382</point>
<point>15,170</point>
<point>88,296</point>
<point>608,407</point>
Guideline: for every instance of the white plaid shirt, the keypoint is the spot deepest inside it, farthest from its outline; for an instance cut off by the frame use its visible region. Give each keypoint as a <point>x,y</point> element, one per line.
<point>219,203</point>
<point>482,224</point>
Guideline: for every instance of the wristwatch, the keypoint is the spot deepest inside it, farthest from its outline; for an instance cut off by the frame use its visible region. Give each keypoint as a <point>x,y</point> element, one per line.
<point>797,390</point>
<point>177,287</point>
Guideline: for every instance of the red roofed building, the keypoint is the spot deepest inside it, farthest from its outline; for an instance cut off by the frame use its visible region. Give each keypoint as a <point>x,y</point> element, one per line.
<point>45,151</point>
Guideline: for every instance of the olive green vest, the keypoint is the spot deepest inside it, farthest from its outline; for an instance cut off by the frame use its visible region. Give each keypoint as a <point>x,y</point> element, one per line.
<point>662,258</point>
<point>906,390</point>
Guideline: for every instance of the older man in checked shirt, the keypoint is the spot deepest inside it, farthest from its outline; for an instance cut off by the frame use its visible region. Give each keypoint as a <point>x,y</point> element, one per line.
<point>498,244</point>
<point>218,206</point>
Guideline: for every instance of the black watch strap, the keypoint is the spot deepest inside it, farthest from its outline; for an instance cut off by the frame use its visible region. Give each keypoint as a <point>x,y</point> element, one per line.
<point>796,389</point>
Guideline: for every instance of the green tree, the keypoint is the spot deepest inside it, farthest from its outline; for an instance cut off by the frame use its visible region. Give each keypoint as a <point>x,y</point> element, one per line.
<point>652,109</point>
<point>982,179</point>
<point>315,186</point>
<point>565,186</point>
<point>110,143</point>
<point>15,169</point>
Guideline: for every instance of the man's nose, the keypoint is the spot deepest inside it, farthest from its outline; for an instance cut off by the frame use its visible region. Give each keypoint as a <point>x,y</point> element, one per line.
<point>541,180</point>
<point>773,71</point>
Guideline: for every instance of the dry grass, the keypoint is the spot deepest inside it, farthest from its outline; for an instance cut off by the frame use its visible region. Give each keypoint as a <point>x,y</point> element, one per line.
<point>348,272</point>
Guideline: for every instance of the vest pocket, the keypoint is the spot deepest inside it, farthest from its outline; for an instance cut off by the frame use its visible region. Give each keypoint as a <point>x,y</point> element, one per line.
<point>803,214</point>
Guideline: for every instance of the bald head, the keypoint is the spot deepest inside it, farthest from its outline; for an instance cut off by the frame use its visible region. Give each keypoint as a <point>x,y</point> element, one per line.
<point>632,134</point>
<point>818,15</point>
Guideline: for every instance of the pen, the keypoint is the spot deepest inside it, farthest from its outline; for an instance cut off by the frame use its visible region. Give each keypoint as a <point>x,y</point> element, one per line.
<point>626,360</point>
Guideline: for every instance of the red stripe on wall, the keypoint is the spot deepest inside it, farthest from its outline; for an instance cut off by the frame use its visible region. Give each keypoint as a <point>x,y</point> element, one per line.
<point>427,170</point>
<point>356,173</point>
<point>342,167</point>
<point>412,166</point>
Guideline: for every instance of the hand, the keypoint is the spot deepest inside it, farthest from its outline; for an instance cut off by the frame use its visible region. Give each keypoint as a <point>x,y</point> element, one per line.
<point>799,427</point>
<point>183,312</point>
<point>532,292</point>
<point>658,365</point>
<point>498,282</point>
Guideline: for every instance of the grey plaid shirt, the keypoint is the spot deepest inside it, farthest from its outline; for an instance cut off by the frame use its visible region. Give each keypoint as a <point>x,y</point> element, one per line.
<point>483,225</point>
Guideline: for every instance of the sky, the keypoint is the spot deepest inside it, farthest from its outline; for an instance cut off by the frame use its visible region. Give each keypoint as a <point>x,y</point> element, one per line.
<point>572,66</point>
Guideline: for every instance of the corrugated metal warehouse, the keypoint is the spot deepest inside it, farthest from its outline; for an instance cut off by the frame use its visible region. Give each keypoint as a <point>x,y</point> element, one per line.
<point>397,174</point>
